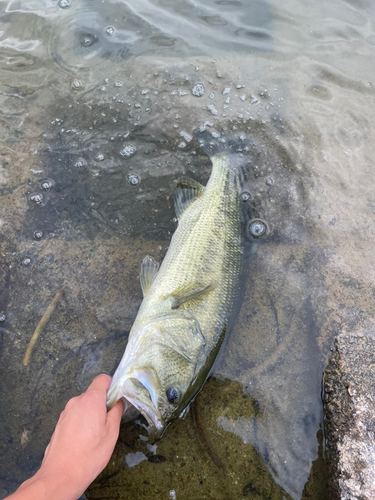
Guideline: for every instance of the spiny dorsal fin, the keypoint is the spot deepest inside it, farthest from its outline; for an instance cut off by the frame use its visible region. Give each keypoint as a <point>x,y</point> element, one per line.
<point>188,292</point>
<point>187,190</point>
<point>149,270</point>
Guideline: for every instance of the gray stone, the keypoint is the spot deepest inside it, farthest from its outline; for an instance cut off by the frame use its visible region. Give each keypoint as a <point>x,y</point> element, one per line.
<point>349,396</point>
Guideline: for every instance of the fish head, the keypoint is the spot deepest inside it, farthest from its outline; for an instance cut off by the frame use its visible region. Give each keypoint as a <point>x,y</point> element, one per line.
<point>157,374</point>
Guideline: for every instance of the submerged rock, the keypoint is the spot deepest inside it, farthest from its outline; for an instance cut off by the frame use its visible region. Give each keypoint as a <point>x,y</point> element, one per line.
<point>349,396</point>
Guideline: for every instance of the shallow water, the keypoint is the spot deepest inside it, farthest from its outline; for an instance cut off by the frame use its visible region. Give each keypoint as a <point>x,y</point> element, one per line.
<point>99,91</point>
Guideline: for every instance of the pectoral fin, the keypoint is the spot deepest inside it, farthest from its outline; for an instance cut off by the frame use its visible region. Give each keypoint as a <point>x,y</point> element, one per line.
<point>187,190</point>
<point>188,292</point>
<point>149,270</point>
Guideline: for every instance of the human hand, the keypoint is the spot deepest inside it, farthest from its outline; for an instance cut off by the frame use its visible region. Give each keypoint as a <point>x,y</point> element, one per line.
<point>84,437</point>
<point>81,445</point>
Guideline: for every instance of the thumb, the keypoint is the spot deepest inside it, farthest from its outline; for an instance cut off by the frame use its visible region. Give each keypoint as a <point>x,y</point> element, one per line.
<point>115,414</point>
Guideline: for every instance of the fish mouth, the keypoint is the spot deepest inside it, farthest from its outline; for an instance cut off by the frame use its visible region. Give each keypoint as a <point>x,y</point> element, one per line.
<point>138,399</point>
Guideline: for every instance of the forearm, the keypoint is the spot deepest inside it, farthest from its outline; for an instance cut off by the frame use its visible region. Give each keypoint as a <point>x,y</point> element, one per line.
<point>45,487</point>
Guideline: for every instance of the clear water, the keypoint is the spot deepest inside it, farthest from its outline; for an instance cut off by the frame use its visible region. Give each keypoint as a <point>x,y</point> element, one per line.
<point>96,122</point>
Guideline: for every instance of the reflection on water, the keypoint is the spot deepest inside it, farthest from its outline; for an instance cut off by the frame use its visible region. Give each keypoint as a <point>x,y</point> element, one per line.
<point>99,103</point>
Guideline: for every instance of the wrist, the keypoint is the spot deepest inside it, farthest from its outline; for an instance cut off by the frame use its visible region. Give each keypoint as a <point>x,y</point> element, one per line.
<point>46,485</point>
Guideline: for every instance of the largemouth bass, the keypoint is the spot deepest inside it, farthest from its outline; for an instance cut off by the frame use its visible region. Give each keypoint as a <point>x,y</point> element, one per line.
<point>188,303</point>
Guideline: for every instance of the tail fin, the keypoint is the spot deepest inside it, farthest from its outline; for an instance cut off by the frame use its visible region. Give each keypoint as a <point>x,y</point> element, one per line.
<point>214,143</point>
<point>227,152</point>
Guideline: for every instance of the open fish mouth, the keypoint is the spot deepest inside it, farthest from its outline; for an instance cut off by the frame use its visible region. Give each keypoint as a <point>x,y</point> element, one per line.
<point>137,399</point>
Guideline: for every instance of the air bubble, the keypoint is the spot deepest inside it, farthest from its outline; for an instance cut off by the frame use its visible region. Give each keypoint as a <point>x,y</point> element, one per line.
<point>245,196</point>
<point>128,151</point>
<point>38,235</point>
<point>212,95</point>
<point>80,163</point>
<point>134,179</point>
<point>36,198</point>
<point>198,90</point>
<point>87,40</point>
<point>186,136</point>
<point>212,108</point>
<point>257,228</point>
<point>26,261</point>
<point>46,184</point>
<point>110,30</point>
<point>63,4</point>
<point>2,318</point>
<point>77,85</point>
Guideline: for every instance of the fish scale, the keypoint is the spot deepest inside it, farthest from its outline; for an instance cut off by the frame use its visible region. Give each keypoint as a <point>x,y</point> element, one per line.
<point>187,305</point>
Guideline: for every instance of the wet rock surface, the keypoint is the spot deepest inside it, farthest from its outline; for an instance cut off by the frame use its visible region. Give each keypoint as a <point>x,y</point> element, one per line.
<point>349,386</point>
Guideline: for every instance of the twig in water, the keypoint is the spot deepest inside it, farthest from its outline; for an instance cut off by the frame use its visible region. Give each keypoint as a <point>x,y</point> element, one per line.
<point>46,316</point>
<point>205,443</point>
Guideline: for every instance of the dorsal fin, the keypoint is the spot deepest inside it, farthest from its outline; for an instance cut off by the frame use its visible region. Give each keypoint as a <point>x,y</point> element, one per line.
<point>149,270</point>
<point>187,190</point>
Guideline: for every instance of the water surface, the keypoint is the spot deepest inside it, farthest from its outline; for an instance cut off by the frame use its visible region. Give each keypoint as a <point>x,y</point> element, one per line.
<point>97,121</point>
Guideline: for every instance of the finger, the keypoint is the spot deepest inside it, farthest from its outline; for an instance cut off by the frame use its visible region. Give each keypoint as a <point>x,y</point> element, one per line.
<point>46,451</point>
<point>71,403</point>
<point>100,383</point>
<point>115,414</point>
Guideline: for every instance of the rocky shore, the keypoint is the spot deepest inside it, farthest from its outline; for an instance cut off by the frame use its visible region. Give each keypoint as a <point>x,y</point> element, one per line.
<point>349,404</point>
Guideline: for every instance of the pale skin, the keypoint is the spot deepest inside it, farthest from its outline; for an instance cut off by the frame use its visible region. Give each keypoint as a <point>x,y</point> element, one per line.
<point>80,447</point>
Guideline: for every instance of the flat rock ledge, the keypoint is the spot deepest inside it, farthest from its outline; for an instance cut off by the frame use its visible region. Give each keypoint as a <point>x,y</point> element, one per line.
<point>349,417</point>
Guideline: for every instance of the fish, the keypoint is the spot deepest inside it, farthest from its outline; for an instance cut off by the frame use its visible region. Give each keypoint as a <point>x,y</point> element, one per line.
<point>188,301</point>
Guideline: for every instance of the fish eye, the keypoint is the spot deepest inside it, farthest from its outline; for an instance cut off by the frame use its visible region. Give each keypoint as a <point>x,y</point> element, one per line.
<point>173,395</point>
